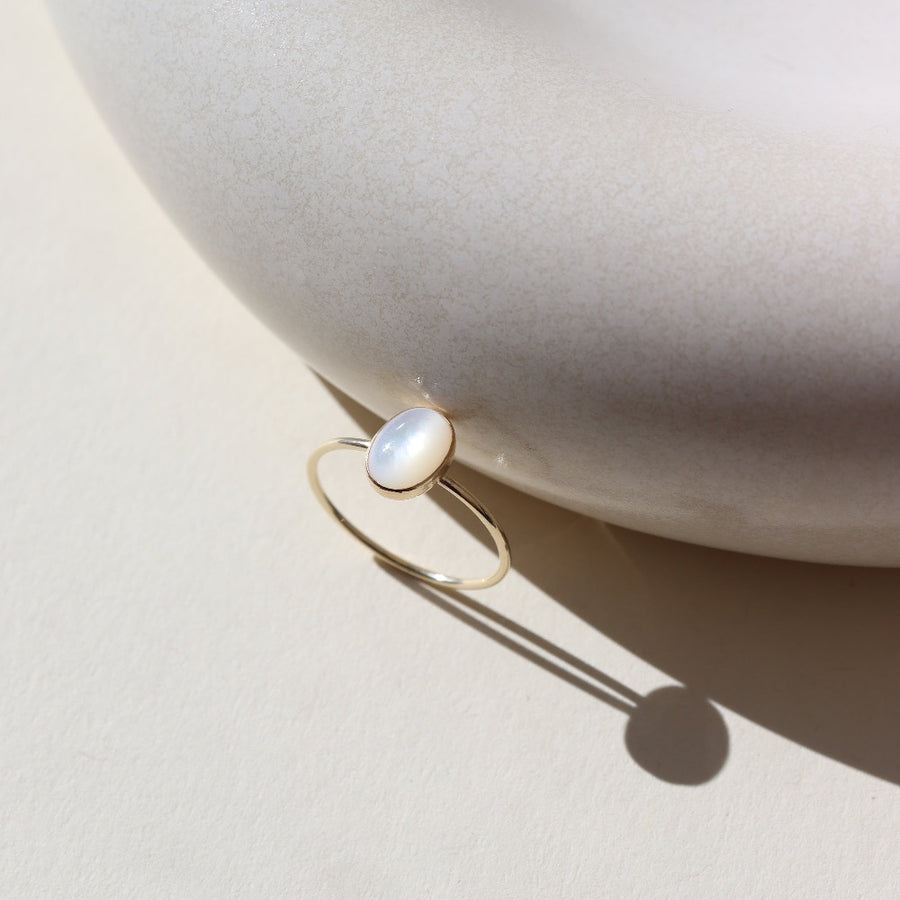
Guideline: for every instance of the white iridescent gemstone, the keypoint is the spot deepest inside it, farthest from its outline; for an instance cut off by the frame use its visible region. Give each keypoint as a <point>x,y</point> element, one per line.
<point>410,451</point>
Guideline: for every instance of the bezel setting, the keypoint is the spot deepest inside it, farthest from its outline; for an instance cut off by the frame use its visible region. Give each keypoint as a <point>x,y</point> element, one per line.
<point>425,484</point>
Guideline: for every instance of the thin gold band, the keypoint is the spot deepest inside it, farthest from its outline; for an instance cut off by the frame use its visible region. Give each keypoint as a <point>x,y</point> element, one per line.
<point>487,520</point>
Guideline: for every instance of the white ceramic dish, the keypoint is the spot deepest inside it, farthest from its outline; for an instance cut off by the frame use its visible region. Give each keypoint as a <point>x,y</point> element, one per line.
<point>646,256</point>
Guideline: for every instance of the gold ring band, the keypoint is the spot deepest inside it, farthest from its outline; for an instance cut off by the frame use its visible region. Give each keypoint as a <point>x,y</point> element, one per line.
<point>386,556</point>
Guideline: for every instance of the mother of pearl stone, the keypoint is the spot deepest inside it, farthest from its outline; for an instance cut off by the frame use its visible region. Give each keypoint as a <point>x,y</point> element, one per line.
<point>410,450</point>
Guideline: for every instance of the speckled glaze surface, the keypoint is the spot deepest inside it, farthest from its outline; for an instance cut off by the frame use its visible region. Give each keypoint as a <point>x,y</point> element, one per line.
<point>647,258</point>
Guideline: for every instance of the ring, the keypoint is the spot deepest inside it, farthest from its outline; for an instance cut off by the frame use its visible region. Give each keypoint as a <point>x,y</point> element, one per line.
<point>407,457</point>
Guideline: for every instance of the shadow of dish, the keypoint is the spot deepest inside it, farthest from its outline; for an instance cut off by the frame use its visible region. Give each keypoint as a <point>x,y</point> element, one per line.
<point>811,652</point>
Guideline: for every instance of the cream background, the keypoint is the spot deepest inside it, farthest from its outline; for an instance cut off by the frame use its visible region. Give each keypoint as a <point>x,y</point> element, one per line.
<point>208,692</point>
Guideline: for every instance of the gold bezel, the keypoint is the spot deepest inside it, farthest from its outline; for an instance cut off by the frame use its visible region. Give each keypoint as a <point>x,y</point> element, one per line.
<point>423,486</point>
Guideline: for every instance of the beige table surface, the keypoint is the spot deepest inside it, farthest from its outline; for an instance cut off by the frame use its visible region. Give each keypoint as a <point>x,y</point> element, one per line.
<point>210,691</point>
